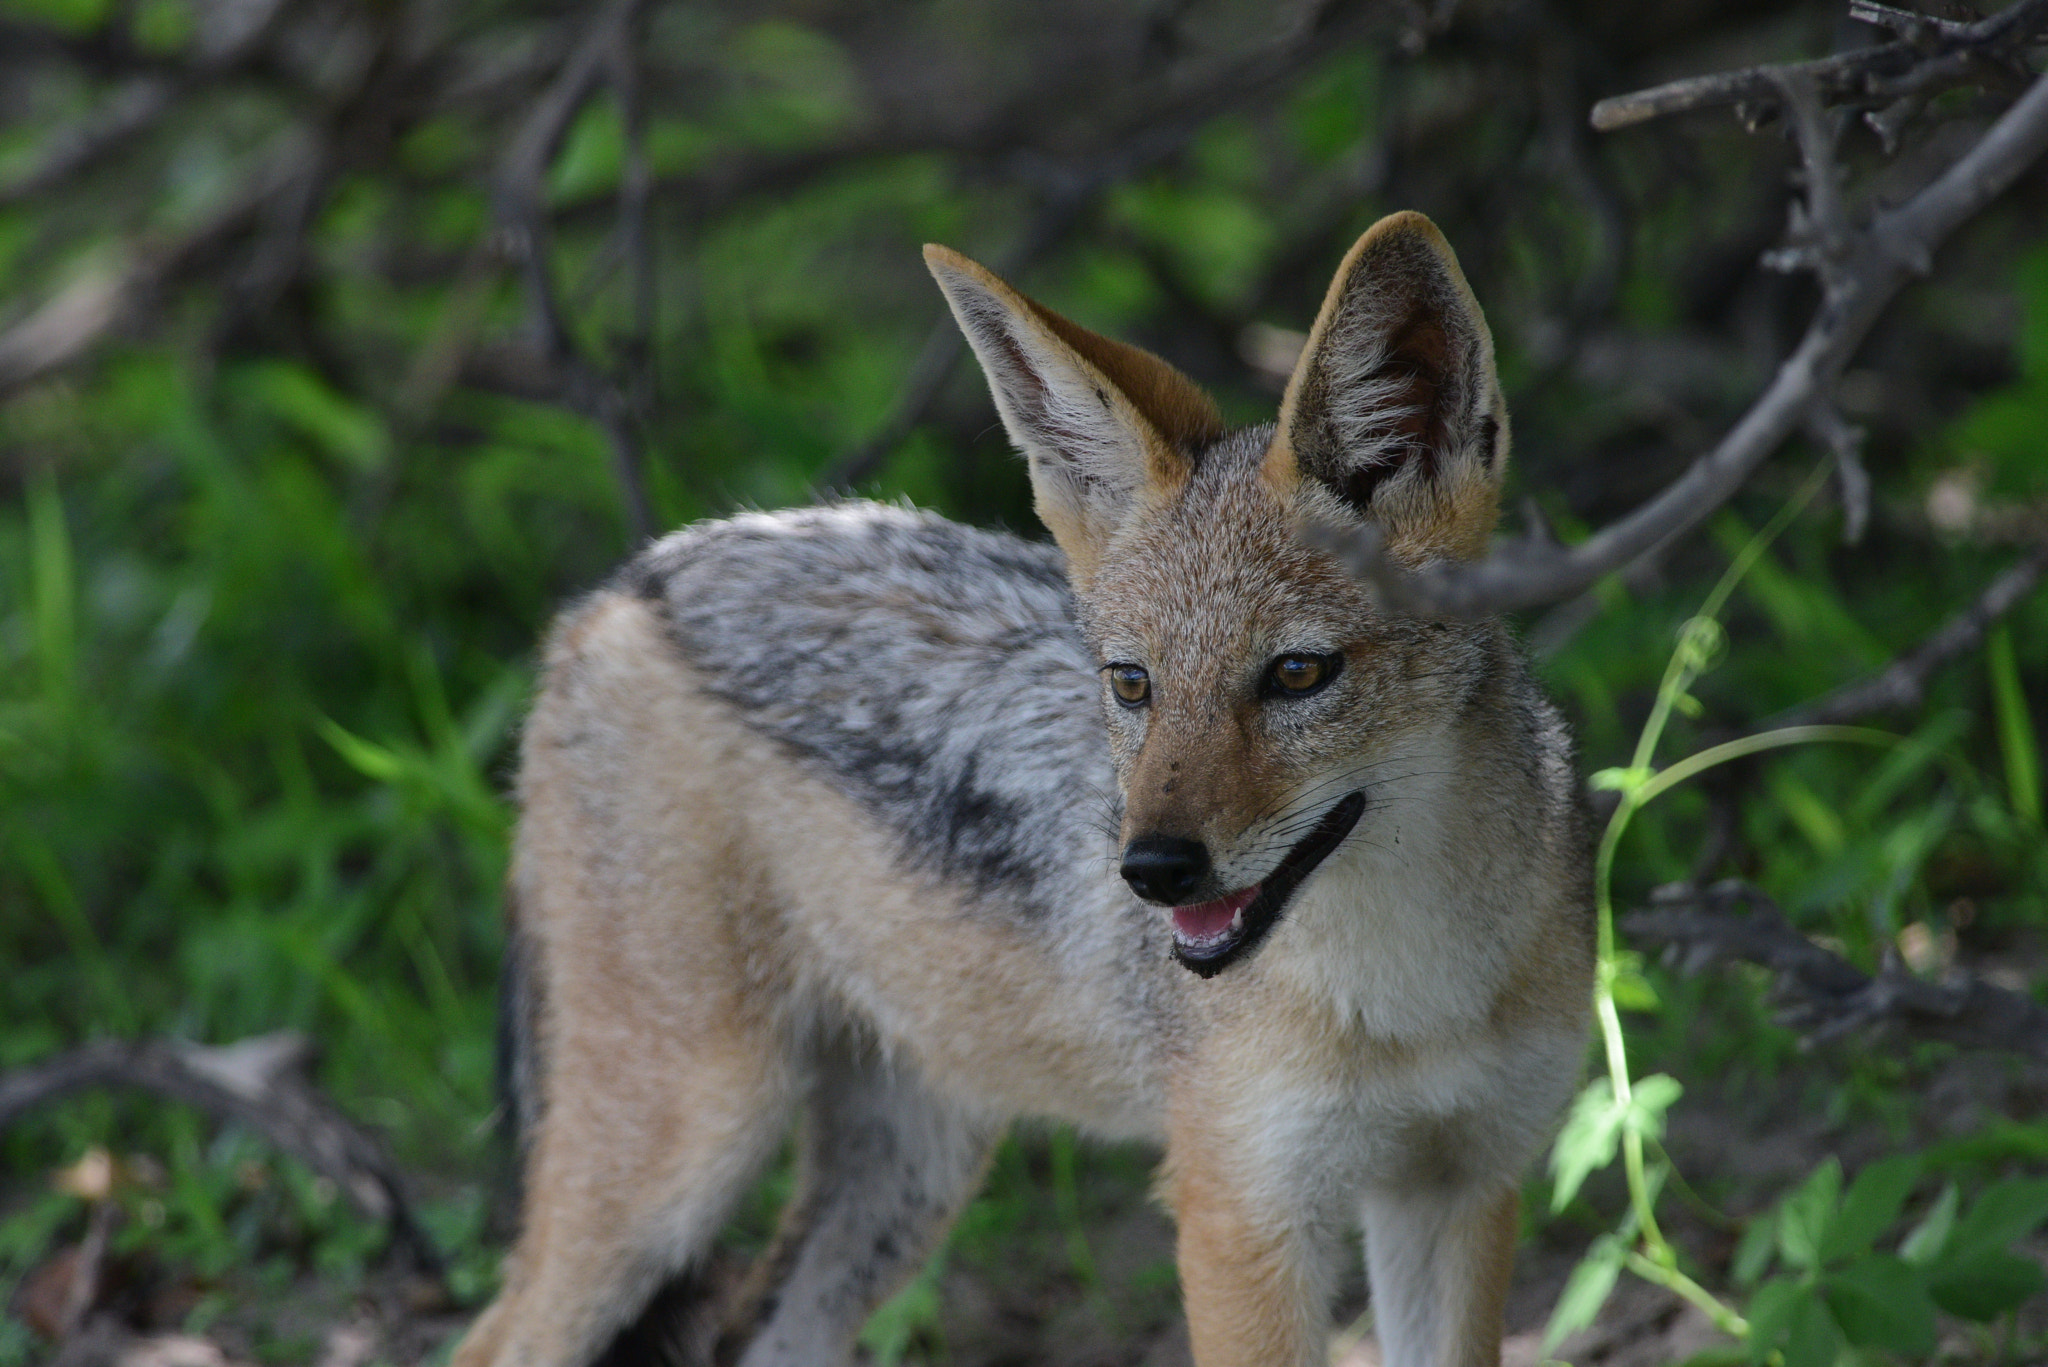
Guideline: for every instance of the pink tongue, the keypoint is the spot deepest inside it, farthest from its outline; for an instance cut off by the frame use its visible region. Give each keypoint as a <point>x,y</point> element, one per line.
<point>1207,920</point>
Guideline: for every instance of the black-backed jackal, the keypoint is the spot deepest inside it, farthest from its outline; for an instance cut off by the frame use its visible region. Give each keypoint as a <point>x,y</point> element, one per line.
<point>812,824</point>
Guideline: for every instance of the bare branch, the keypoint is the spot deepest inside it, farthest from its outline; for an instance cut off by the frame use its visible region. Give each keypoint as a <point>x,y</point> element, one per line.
<point>1898,245</point>
<point>1941,52</point>
<point>523,238</point>
<point>1821,236</point>
<point>1826,996</point>
<point>1903,683</point>
<point>1910,25</point>
<point>258,1082</point>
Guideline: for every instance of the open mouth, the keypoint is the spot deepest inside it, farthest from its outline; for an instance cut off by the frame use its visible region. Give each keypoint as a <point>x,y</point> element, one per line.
<point>1208,937</point>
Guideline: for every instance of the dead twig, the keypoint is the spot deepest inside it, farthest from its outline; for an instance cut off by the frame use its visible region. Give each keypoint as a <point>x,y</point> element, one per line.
<point>1902,684</point>
<point>258,1082</point>
<point>1826,997</point>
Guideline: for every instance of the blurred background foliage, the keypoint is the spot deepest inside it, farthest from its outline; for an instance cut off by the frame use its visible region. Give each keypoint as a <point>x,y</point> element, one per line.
<point>320,390</point>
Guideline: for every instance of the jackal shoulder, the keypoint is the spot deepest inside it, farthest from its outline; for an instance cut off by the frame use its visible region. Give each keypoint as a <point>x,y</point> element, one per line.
<point>932,672</point>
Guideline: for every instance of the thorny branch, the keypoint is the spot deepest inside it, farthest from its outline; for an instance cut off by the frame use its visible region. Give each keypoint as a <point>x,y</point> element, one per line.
<point>1825,996</point>
<point>258,1082</point>
<point>1861,271</point>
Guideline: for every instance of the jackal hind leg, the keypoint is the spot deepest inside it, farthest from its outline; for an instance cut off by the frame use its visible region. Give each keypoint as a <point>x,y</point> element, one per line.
<point>643,1148</point>
<point>883,1167</point>
<point>1438,1260</point>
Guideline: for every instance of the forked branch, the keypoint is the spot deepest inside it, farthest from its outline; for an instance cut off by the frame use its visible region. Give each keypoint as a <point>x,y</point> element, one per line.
<point>1861,270</point>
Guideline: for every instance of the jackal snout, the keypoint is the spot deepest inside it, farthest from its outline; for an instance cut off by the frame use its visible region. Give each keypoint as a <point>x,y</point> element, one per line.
<point>1166,869</point>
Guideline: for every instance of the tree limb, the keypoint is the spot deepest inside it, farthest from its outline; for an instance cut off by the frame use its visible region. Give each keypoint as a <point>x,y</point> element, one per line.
<point>1826,996</point>
<point>98,303</point>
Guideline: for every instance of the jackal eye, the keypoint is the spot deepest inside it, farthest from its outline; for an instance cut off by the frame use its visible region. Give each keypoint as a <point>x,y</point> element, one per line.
<point>1297,675</point>
<point>1132,685</point>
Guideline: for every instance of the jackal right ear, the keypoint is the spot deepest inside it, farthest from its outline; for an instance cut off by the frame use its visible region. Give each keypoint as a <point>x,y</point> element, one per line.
<point>1393,414</point>
<point>1108,429</point>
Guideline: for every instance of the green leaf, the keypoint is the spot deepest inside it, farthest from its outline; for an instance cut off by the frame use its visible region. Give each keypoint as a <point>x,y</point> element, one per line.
<point>1586,1291</point>
<point>1814,1339</point>
<point>1873,1201</point>
<point>1986,1285</point>
<point>1770,1314</point>
<point>1632,991</point>
<point>1804,1216</point>
<point>1924,1241</point>
<point>2015,726</point>
<point>297,396</point>
<point>1649,1099</point>
<point>73,16</point>
<point>1587,1142</point>
<point>1621,780</point>
<point>2004,1211</point>
<point>1882,1302</point>
<point>1753,1254</point>
<point>366,757</point>
<point>901,1320</point>
<point>53,589</point>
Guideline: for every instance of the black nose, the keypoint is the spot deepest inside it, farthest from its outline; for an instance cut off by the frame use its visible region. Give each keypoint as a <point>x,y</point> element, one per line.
<point>1164,868</point>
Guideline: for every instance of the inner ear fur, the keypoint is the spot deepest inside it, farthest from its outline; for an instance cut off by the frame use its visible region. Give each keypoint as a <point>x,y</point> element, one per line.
<point>1394,413</point>
<point>1106,427</point>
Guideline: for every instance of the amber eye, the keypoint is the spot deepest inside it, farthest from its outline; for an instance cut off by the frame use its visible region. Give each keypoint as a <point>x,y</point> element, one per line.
<point>1295,675</point>
<point>1131,685</point>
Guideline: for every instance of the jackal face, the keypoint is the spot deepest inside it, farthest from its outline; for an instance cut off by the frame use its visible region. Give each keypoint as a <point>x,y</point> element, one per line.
<point>1257,703</point>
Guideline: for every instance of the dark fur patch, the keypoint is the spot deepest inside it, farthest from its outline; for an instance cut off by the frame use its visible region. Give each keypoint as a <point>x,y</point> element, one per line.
<point>932,672</point>
<point>672,1331</point>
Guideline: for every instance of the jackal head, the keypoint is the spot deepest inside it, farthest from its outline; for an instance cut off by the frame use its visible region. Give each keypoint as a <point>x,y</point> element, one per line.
<point>1258,705</point>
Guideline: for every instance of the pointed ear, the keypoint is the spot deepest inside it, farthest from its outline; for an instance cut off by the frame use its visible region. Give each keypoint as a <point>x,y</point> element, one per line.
<point>1394,414</point>
<point>1108,429</point>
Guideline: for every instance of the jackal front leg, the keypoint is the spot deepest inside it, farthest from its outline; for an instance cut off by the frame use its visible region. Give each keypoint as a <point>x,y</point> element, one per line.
<point>1255,1276</point>
<point>1439,1258</point>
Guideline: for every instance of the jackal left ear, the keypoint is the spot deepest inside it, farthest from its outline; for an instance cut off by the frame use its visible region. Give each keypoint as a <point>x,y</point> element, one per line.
<point>1394,414</point>
<point>1107,428</point>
